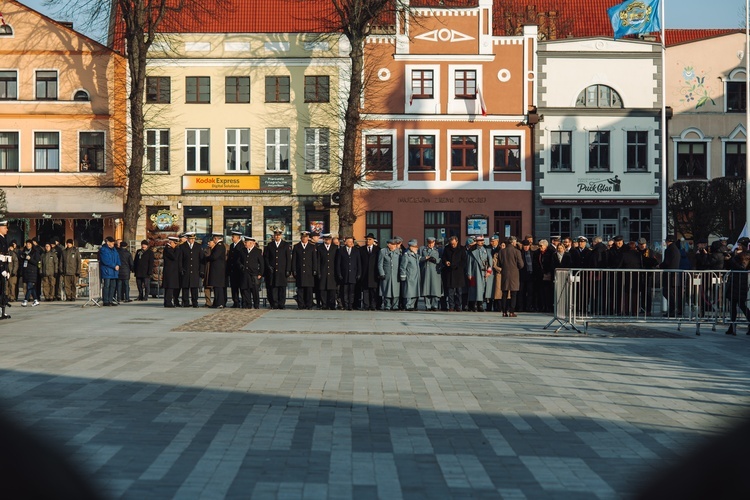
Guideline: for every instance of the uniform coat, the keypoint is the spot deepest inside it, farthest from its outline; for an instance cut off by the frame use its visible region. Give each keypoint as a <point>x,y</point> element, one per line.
<point>278,260</point>
<point>479,261</point>
<point>304,264</point>
<point>327,267</point>
<point>369,266</point>
<point>50,264</point>
<point>409,274</point>
<point>454,276</point>
<point>252,265</point>
<point>190,265</point>
<point>511,261</point>
<point>235,254</point>
<point>348,270</point>
<point>388,267</point>
<point>218,266</point>
<point>430,263</point>
<point>171,274</point>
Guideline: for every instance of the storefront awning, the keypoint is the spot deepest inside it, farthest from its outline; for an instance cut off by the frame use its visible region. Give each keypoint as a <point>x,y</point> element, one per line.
<point>64,202</point>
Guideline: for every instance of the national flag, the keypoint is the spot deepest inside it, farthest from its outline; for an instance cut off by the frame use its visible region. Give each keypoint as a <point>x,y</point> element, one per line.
<point>411,98</point>
<point>481,102</point>
<point>635,17</point>
<point>2,19</point>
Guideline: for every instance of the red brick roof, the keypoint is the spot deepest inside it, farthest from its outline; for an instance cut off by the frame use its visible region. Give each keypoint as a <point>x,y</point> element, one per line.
<point>676,37</point>
<point>573,18</point>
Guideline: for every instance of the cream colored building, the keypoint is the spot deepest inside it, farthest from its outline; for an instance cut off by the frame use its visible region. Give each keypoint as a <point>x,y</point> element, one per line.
<point>243,133</point>
<point>62,129</point>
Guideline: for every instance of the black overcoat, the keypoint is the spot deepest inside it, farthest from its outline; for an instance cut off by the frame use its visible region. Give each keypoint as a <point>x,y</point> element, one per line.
<point>278,260</point>
<point>217,270</point>
<point>327,267</point>
<point>454,276</point>
<point>190,265</point>
<point>369,266</point>
<point>143,264</point>
<point>170,277</point>
<point>252,265</point>
<point>348,269</point>
<point>304,264</point>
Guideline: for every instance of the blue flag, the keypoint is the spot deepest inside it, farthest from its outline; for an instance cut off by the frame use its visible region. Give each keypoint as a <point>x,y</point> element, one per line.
<point>635,17</point>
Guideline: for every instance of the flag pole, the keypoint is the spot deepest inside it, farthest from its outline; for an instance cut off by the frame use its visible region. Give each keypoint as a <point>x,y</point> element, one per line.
<point>747,110</point>
<point>664,225</point>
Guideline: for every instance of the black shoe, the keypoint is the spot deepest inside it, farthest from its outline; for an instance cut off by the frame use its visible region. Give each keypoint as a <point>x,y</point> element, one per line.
<point>169,305</point>
<point>732,332</point>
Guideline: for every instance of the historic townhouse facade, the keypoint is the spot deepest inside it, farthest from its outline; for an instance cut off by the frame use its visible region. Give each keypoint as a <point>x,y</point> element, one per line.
<point>62,130</point>
<point>599,144</point>
<point>446,140</point>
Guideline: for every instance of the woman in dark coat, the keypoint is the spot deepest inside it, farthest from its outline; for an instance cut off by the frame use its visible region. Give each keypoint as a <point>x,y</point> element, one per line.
<point>170,278</point>
<point>217,270</point>
<point>738,266</point>
<point>29,263</point>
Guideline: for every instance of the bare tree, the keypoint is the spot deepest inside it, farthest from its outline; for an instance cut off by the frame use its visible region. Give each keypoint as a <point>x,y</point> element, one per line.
<point>693,209</point>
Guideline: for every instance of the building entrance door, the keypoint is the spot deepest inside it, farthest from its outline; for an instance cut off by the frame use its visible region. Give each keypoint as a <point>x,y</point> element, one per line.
<point>508,224</point>
<point>600,222</point>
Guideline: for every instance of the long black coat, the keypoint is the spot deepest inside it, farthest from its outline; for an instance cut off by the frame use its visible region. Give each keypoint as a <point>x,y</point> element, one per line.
<point>30,271</point>
<point>671,257</point>
<point>304,264</point>
<point>327,267</point>
<point>348,269</point>
<point>190,265</point>
<point>143,264</point>
<point>278,261</point>
<point>454,276</point>
<point>252,265</point>
<point>170,277</point>
<point>217,266</point>
<point>126,263</point>
<point>235,255</point>
<point>369,266</point>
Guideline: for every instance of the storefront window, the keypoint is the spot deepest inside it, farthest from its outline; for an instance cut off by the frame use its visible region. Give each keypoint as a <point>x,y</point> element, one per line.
<point>380,224</point>
<point>442,225</point>
<point>88,232</point>
<point>317,221</point>
<point>277,218</point>
<point>238,219</point>
<point>199,220</point>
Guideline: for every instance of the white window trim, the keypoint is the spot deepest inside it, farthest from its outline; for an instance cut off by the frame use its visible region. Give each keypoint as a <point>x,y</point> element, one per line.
<point>649,151</point>
<point>394,145</point>
<point>480,153</point>
<point>429,106</point>
<point>198,147</point>
<point>59,150</point>
<point>20,151</point>
<point>410,132</point>
<point>687,135</point>
<point>57,81</point>
<point>733,138</point>
<point>317,150</point>
<point>17,89</point>
<point>548,150</point>
<point>521,144</point>
<point>12,31</point>
<point>277,161</point>
<point>737,75</point>
<point>461,106</point>
<point>158,147</point>
<point>73,95</point>
<point>238,144</point>
<point>78,151</point>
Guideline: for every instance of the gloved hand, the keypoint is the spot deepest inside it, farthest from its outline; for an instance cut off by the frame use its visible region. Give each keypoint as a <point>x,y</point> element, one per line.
<point>5,274</point>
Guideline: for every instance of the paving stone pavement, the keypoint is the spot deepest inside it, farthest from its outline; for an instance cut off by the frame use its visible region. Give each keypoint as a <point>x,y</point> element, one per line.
<point>192,403</point>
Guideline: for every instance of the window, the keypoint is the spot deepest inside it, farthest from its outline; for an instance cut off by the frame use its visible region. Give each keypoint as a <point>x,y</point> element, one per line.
<point>8,85</point>
<point>421,152</point>
<point>277,89</point>
<point>379,153</point>
<point>157,150</point>
<point>422,84</point>
<point>735,155</point>
<point>238,150</point>
<point>316,149</point>
<point>237,89</point>
<point>691,160</point>
<point>640,224</point>
<point>277,218</point>
<point>91,151</point>
<point>238,219</point>
<point>559,221</point>
<point>81,95</point>
<point>637,151</point>
<point>277,149</point>
<point>316,88</point>
<point>198,147</point>
<point>9,151</point>
<point>466,84</point>
<point>47,151</point>
<point>736,97</point>
<point>507,154</point>
<point>599,96</point>
<point>464,152</point>
<point>198,89</point>
<point>6,30</point>
<point>599,151</point>
<point>46,85</point>
<point>442,225</point>
<point>380,224</point>
<point>158,89</point>
<point>560,151</point>
<point>199,220</point>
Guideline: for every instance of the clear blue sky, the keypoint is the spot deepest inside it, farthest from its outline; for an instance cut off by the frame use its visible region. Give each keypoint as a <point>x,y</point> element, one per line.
<point>679,13</point>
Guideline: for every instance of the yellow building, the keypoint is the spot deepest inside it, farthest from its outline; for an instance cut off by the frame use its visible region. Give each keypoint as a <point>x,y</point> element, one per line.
<point>62,129</point>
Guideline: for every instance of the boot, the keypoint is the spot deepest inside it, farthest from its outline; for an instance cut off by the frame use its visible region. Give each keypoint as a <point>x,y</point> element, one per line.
<point>731,330</point>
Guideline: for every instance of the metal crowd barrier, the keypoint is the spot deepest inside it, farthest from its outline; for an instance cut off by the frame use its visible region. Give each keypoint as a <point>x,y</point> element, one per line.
<point>583,296</point>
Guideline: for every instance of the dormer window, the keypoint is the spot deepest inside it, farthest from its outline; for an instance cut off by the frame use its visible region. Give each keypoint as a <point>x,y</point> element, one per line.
<point>81,95</point>
<point>599,96</point>
<point>6,30</point>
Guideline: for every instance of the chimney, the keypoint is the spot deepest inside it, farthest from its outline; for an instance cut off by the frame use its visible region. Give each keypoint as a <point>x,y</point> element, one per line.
<point>552,26</point>
<point>67,24</point>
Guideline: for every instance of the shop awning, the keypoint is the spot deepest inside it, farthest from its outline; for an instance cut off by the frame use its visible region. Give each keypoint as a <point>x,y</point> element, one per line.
<point>64,202</point>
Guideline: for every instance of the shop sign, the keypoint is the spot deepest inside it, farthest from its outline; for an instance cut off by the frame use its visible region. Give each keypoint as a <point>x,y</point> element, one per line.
<point>600,201</point>
<point>598,186</point>
<point>237,184</point>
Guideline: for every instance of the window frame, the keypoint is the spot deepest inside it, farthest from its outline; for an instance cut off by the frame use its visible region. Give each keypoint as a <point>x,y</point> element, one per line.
<point>379,225</point>
<point>4,83</point>
<point>321,150</point>
<point>614,98</point>
<point>636,219</point>
<point>237,144</point>
<point>158,148</point>
<point>37,81</point>
<point>506,149</point>
<point>101,151</point>
<point>635,146</point>
<point>740,155</point>
<point>7,147</point>
<point>200,86</point>
<point>559,224</point>
<point>431,79</point>
<point>366,147</point>
<point>239,97</point>
<point>600,150</point>
<point>277,85</point>
<point>465,94</point>
<point>37,147</point>
<point>443,219</point>
<point>318,95</point>
<point>552,153</point>
<point>705,156</point>
<point>463,149</point>
<point>160,91</point>
<point>199,147</point>
<point>737,76</point>
<point>278,146</point>
<point>421,167</point>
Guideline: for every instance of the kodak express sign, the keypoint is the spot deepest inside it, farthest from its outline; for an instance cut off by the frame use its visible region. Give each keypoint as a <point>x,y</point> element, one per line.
<point>237,184</point>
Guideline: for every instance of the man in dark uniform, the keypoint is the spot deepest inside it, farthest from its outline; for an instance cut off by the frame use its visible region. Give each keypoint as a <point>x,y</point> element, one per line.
<point>317,298</point>
<point>5,260</point>
<point>305,269</point>
<point>56,247</point>
<point>278,260</point>
<point>234,271</point>
<point>171,272</point>
<point>252,265</point>
<point>454,273</point>
<point>670,280</point>
<point>217,271</point>
<point>348,271</point>
<point>327,272</point>
<point>370,284</point>
<point>190,263</point>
